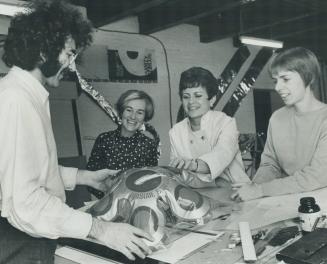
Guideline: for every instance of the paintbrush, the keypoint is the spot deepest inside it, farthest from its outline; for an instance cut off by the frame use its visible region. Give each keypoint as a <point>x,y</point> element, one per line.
<point>193,231</point>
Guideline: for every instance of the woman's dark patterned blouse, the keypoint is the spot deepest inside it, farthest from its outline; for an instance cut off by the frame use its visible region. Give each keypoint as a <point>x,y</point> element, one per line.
<point>115,152</point>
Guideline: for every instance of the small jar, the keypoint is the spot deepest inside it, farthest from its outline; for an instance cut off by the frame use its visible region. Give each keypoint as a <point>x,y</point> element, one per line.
<point>309,213</point>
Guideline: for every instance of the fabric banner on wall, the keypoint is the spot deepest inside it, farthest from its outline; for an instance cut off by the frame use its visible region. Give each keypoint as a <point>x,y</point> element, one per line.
<point>231,70</point>
<point>247,81</point>
<point>132,66</point>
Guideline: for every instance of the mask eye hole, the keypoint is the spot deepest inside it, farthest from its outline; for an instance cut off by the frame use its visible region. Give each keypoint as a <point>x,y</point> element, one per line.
<point>146,219</point>
<point>183,194</point>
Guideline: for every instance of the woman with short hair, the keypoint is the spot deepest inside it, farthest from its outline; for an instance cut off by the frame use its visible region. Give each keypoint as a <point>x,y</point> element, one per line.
<point>127,147</point>
<point>205,143</point>
<point>294,159</point>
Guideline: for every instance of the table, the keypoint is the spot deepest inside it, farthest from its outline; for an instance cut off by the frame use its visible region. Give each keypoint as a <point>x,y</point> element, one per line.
<point>216,251</point>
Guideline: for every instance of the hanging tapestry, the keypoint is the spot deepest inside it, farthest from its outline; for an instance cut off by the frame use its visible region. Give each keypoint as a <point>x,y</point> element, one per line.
<point>247,81</point>
<point>132,66</point>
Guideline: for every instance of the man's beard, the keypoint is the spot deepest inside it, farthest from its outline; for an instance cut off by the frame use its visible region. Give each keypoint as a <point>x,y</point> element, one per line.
<point>53,68</point>
<point>50,68</point>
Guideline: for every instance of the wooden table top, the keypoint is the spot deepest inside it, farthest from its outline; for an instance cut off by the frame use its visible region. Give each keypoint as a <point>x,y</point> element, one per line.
<point>216,251</point>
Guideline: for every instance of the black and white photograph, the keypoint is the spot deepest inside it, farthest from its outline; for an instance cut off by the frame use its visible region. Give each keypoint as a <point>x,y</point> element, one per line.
<point>163,131</point>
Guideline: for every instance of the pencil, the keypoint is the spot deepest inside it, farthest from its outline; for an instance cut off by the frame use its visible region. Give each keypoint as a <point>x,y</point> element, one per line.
<point>315,223</point>
<point>222,217</point>
<point>194,231</point>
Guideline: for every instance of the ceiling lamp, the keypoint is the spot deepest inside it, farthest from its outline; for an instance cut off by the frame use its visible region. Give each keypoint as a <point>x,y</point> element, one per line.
<point>12,8</point>
<point>261,42</point>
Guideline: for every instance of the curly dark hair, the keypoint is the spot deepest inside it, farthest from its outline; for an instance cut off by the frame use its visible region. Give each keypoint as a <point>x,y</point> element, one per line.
<point>44,30</point>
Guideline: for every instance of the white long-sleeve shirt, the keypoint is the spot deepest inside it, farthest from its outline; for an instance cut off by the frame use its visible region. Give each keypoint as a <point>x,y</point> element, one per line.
<point>32,194</point>
<point>216,143</point>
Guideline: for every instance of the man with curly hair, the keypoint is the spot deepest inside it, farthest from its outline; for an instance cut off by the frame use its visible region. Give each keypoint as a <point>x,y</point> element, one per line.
<point>39,47</point>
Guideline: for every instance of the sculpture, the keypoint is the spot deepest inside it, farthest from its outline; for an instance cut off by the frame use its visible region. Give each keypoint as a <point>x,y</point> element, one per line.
<point>152,198</point>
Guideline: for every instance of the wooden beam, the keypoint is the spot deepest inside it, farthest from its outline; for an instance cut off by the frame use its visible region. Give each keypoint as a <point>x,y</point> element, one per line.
<point>314,40</point>
<point>224,25</point>
<point>230,22</point>
<point>181,11</point>
<point>288,28</point>
<point>256,21</point>
<point>103,12</point>
<point>313,5</point>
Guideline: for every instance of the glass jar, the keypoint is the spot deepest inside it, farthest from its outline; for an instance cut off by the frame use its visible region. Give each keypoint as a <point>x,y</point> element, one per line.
<point>309,213</point>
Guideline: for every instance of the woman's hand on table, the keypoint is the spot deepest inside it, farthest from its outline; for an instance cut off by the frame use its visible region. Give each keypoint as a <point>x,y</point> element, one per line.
<point>184,164</point>
<point>246,191</point>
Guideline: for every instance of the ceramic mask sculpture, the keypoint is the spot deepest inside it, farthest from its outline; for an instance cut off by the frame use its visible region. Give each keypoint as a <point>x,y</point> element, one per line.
<point>152,198</point>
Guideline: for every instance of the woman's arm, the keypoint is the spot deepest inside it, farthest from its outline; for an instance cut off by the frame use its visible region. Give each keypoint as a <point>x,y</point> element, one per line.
<point>269,168</point>
<point>273,182</point>
<point>310,177</point>
<point>151,158</point>
<point>225,149</point>
<point>96,160</point>
<point>173,151</point>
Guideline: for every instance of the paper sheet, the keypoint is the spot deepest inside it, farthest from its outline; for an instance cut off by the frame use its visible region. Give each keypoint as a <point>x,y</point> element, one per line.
<point>175,251</point>
<point>81,256</point>
<point>275,209</point>
<point>184,246</point>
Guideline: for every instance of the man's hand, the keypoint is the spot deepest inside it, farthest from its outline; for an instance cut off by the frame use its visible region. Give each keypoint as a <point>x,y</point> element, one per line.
<point>99,179</point>
<point>246,191</point>
<point>122,237</point>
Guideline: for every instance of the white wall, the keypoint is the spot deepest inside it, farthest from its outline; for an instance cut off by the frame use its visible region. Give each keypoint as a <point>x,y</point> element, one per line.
<point>4,24</point>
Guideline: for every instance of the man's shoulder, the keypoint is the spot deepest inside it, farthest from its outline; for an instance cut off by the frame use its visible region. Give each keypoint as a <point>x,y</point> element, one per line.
<point>11,93</point>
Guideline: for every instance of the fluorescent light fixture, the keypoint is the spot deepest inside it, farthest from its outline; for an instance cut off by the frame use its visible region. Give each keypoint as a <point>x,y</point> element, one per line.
<point>261,42</point>
<point>11,9</point>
